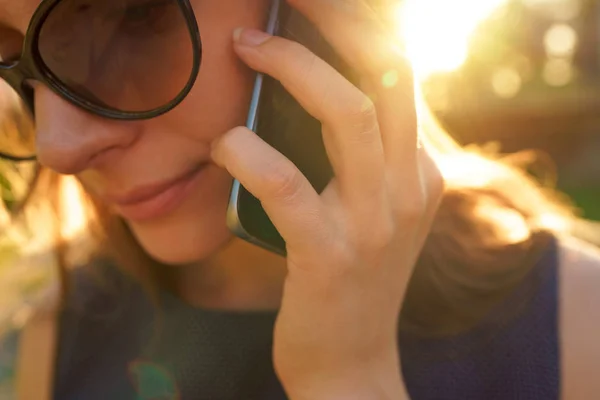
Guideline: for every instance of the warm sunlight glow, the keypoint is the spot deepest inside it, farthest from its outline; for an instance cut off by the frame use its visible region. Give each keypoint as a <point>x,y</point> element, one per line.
<point>553,222</point>
<point>509,224</point>
<point>437,32</point>
<point>469,170</point>
<point>74,213</point>
<point>561,10</point>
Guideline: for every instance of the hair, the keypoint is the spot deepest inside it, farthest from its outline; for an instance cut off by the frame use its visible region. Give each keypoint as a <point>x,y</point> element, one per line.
<point>486,236</point>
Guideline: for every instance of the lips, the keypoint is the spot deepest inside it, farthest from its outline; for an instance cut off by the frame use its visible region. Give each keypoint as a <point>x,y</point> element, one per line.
<point>156,200</point>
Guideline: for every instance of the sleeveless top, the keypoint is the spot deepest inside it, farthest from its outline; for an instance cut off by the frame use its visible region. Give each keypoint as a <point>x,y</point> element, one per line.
<point>117,344</point>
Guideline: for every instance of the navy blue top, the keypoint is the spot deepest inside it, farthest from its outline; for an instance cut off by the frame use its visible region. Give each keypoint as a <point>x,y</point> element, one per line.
<point>115,344</point>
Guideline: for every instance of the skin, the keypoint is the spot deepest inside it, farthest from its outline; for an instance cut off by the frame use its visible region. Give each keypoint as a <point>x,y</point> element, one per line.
<point>351,250</point>
<point>579,322</point>
<point>112,158</point>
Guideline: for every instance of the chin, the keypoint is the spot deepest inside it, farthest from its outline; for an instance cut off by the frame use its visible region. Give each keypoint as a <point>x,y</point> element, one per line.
<point>192,233</point>
<point>184,251</point>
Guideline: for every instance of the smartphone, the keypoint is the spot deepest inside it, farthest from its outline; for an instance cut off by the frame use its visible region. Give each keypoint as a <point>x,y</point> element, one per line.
<point>281,122</point>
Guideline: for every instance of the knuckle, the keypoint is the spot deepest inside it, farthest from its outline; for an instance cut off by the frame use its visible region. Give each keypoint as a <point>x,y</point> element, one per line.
<point>377,240</point>
<point>361,116</point>
<point>284,182</point>
<point>373,239</point>
<point>436,185</point>
<point>306,70</point>
<point>338,252</point>
<point>359,108</point>
<point>341,258</point>
<point>411,210</point>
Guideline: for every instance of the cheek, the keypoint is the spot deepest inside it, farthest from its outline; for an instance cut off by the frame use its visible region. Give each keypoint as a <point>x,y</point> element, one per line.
<point>220,97</point>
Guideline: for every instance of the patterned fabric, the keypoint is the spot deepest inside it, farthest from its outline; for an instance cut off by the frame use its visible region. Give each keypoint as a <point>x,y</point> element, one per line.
<point>512,354</point>
<point>115,344</point>
<point>119,346</point>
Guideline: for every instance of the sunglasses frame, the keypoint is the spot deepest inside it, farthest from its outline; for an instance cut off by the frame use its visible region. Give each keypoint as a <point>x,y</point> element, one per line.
<point>31,67</point>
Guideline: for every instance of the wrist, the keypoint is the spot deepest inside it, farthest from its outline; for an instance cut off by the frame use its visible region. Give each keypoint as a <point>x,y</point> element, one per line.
<point>352,389</point>
<point>382,381</point>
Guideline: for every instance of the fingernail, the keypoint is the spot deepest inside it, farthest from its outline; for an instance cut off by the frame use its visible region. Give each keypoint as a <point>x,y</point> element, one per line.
<point>250,37</point>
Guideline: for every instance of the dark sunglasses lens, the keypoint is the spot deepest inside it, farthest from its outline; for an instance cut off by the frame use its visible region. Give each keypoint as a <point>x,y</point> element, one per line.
<point>17,133</point>
<point>128,55</point>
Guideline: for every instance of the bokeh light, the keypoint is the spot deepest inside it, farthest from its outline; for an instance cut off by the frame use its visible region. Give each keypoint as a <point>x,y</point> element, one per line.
<point>558,72</point>
<point>390,79</point>
<point>560,40</point>
<point>506,82</point>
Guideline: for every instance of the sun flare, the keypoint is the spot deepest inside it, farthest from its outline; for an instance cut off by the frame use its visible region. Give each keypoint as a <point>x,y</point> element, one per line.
<point>437,32</point>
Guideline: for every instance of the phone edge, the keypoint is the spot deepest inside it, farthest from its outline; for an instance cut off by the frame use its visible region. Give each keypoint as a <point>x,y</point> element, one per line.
<point>233,218</point>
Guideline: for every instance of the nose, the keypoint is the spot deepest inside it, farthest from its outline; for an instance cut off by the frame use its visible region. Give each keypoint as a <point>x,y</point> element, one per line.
<point>69,140</point>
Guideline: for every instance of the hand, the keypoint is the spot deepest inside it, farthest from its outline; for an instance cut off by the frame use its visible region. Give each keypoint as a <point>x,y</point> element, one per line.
<point>352,249</point>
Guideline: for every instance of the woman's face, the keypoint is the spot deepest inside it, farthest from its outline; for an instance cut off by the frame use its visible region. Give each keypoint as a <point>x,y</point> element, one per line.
<point>157,174</point>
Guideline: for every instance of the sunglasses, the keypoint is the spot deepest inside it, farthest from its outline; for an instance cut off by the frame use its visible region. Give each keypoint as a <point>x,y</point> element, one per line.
<point>118,59</point>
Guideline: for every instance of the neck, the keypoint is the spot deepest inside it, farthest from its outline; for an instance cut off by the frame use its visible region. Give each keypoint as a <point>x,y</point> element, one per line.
<point>238,277</point>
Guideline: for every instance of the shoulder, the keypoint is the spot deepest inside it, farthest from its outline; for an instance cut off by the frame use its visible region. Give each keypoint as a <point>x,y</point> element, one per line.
<point>579,321</point>
<point>579,271</point>
<point>52,327</point>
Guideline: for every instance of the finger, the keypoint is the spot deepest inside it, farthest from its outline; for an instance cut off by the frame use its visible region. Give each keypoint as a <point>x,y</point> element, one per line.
<point>286,195</point>
<point>360,37</point>
<point>350,127</point>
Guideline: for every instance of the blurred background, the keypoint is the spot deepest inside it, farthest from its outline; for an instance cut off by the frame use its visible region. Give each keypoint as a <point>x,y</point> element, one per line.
<point>524,74</point>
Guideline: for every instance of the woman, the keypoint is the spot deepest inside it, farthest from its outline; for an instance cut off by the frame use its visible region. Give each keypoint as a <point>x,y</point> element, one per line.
<point>172,307</point>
